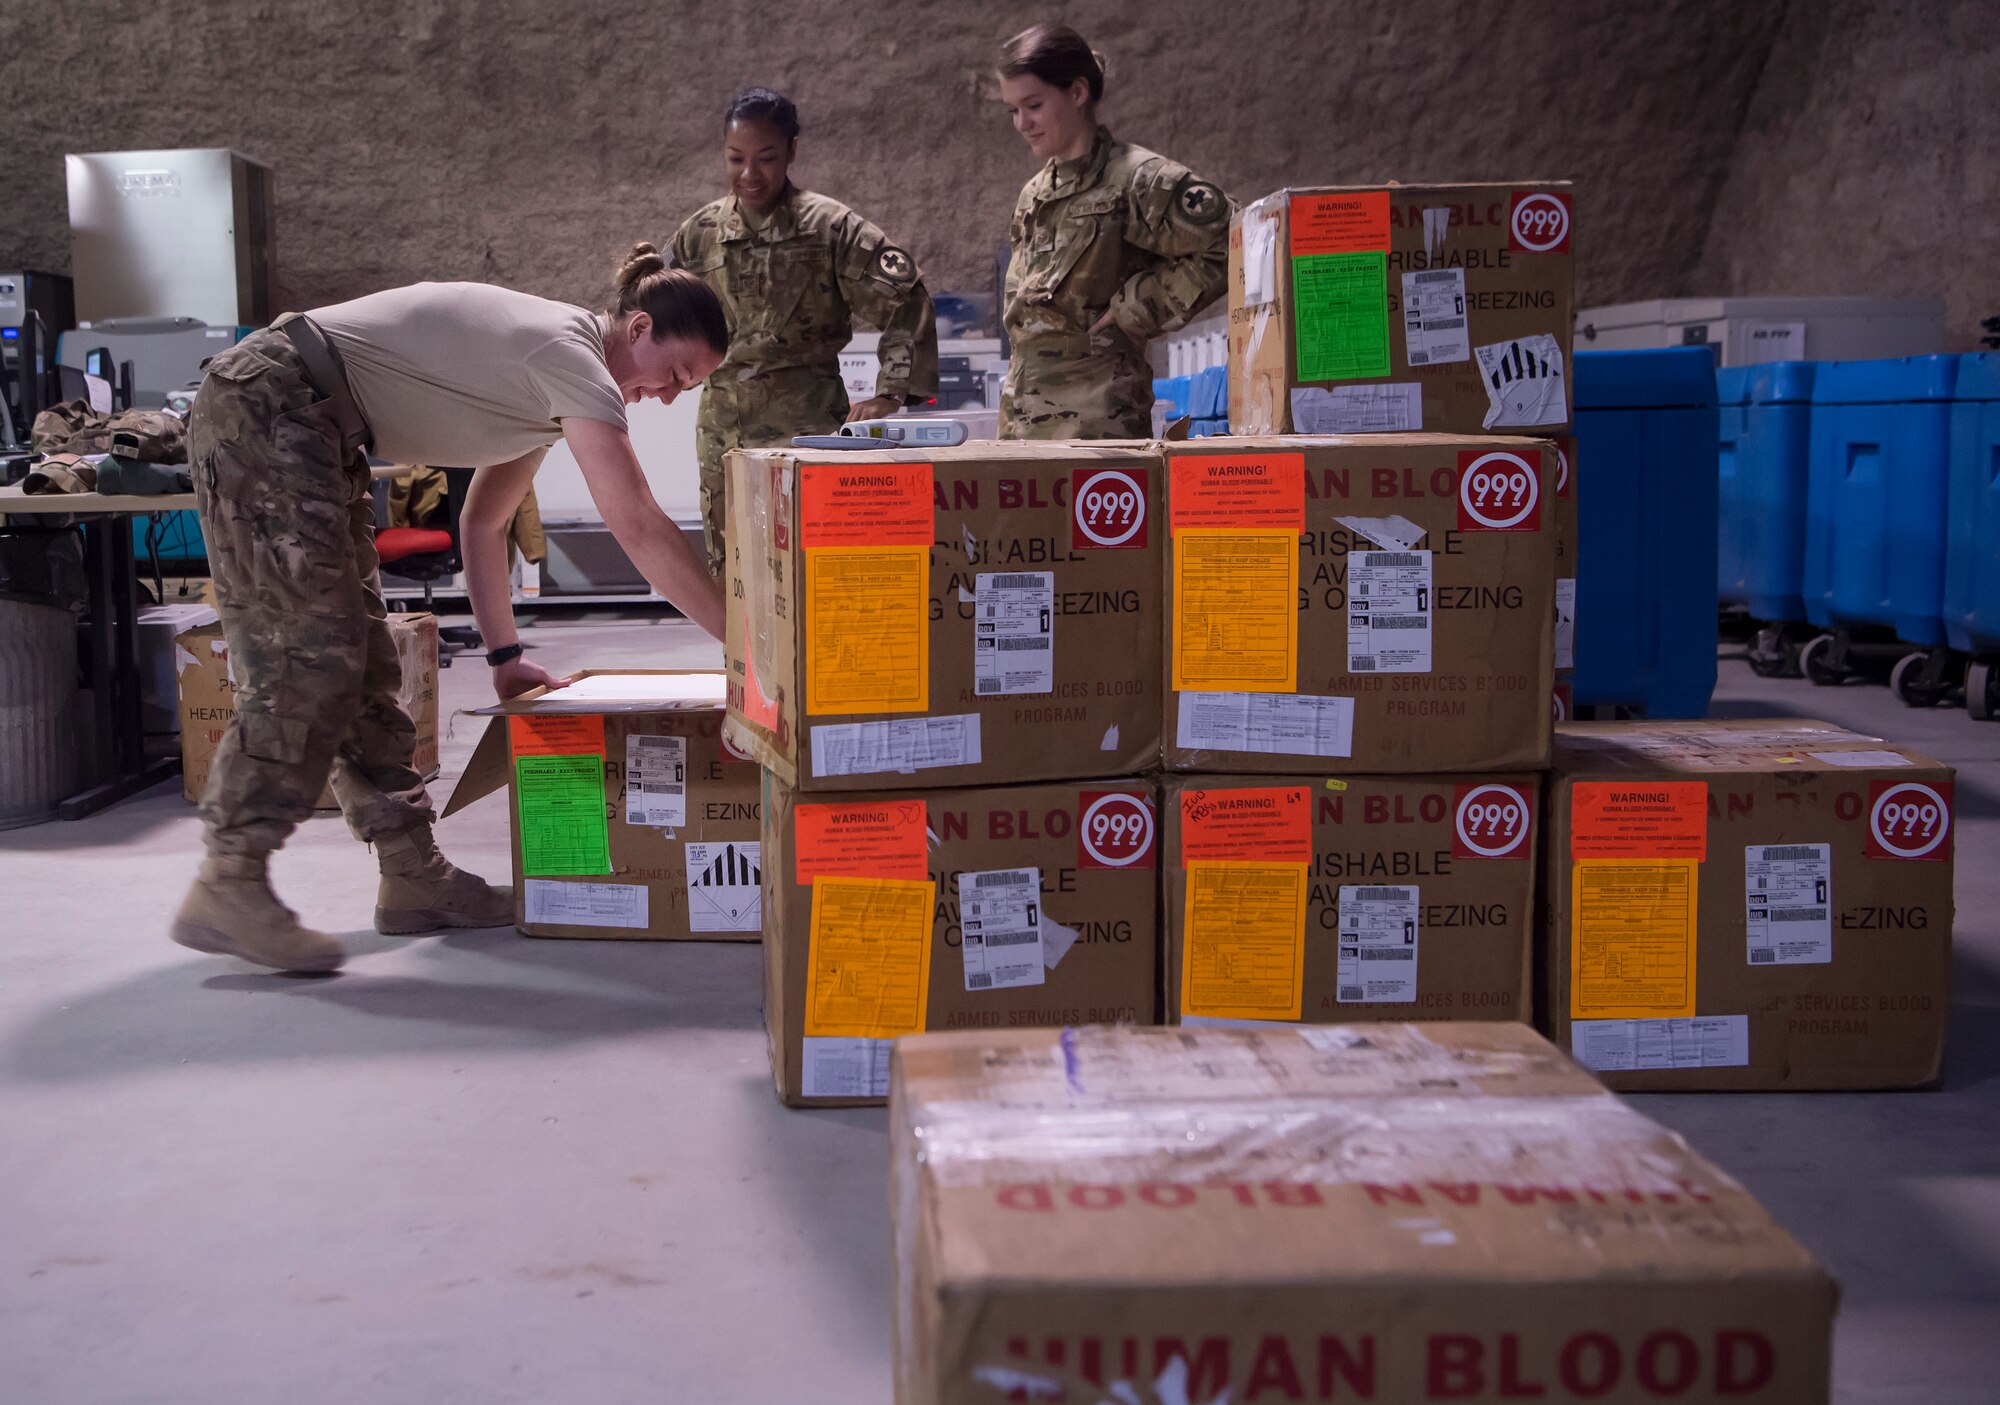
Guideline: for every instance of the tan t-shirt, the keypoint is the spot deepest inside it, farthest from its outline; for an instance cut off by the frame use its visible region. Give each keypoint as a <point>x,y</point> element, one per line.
<point>464,375</point>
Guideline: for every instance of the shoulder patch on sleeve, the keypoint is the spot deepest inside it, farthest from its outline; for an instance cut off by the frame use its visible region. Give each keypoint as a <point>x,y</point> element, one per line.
<point>895,265</point>
<point>1199,202</point>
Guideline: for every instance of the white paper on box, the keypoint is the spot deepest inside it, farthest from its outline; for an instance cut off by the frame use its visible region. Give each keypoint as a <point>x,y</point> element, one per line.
<point>656,782</point>
<point>724,887</point>
<point>845,1067</point>
<point>1434,328</point>
<point>1859,760</point>
<point>1389,612</point>
<point>1056,941</point>
<point>1524,382</point>
<point>1788,902</point>
<point>1377,952</point>
<point>697,690</point>
<point>549,903</point>
<point>1000,924</point>
<point>1703,1041</point>
<point>904,745</point>
<point>1566,622</point>
<point>1275,724</point>
<point>1013,633</point>
<point>1357,409</point>
<point>1260,257</point>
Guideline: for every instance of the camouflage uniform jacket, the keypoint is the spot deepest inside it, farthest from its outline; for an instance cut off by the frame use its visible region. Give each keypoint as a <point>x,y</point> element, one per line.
<point>1121,230</point>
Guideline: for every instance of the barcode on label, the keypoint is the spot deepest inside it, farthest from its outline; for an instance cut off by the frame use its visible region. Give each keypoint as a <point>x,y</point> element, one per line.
<point>1000,878</point>
<point>988,685</point>
<point>1399,622</point>
<point>1381,895</point>
<point>1440,275</point>
<point>1352,992</point>
<point>1763,956</point>
<point>978,980</point>
<point>1020,582</point>
<point>1798,914</point>
<point>674,789</point>
<point>1394,558</point>
<point>1010,938</point>
<point>1012,645</point>
<point>1361,663</point>
<point>1790,851</point>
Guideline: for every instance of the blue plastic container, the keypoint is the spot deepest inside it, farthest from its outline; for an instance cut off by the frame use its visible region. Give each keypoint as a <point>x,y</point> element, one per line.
<point>1875,502</point>
<point>1176,391</point>
<point>1765,458</point>
<point>1647,436</point>
<point>1209,393</point>
<point>1972,544</point>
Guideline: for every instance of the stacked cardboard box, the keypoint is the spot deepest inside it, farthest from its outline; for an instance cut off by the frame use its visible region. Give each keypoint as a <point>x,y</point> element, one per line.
<point>1748,905</point>
<point>949,664</point>
<point>1417,1212</point>
<point>632,818</point>
<point>1360,651</point>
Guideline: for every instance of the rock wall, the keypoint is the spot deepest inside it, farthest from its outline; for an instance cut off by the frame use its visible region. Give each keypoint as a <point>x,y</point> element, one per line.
<point>527,143</point>
<point>1870,161</point>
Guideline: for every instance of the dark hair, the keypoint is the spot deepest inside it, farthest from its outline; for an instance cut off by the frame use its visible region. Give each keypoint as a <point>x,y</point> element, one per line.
<point>762,105</point>
<point>680,304</point>
<point>1057,55</point>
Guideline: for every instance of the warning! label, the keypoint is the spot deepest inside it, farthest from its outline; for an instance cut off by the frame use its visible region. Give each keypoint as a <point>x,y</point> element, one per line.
<point>1355,222</point>
<point>1242,492</point>
<point>1265,824</point>
<point>1639,820</point>
<point>865,504</point>
<point>885,840</point>
<point>556,736</point>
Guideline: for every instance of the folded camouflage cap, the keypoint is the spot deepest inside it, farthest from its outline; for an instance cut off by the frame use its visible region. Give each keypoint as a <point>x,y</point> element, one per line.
<point>147,436</point>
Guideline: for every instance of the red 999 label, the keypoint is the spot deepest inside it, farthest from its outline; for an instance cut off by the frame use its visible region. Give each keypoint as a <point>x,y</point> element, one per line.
<point>1107,508</point>
<point>1115,831</point>
<point>1909,820</point>
<point>1539,222</point>
<point>1491,822</point>
<point>1500,491</point>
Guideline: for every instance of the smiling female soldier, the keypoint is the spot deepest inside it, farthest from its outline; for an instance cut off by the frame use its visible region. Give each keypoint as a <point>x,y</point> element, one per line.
<point>794,270</point>
<point>1113,245</point>
<point>459,373</point>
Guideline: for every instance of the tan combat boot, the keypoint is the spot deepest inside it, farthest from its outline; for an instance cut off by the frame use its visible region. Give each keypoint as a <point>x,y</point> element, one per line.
<point>231,911</point>
<point>422,892</point>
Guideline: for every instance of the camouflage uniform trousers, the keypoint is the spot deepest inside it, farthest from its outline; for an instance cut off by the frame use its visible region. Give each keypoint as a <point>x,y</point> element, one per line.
<point>757,410</point>
<point>290,525</point>
<point>1097,387</point>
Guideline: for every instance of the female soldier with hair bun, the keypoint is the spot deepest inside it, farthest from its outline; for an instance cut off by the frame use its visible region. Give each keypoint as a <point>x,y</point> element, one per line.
<point>1113,245</point>
<point>457,373</point>
<point>794,269</point>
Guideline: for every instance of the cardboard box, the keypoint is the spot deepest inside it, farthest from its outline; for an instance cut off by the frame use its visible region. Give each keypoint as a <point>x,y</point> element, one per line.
<point>632,818</point>
<point>1368,898</point>
<point>866,588</point>
<point>208,697</point>
<point>1357,310</point>
<point>895,912</point>
<point>1381,605</point>
<point>1748,905</point>
<point>1406,1213</point>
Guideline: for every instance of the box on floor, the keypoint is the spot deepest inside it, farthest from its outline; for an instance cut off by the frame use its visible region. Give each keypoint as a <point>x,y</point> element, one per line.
<point>207,684</point>
<point>1748,905</point>
<point>1364,898</point>
<point>631,817</point>
<point>1356,310</point>
<point>963,616</point>
<point>896,912</point>
<point>1382,605</point>
<point>1401,1212</point>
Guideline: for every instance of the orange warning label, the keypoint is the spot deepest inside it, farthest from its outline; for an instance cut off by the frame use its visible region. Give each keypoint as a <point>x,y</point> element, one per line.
<point>885,840</point>
<point>1240,491</point>
<point>865,504</point>
<point>1260,824</point>
<point>556,736</point>
<point>1639,820</point>
<point>1350,222</point>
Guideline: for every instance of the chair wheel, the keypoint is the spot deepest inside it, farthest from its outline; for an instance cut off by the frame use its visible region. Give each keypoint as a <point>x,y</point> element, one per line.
<point>1982,690</point>
<point>1773,655</point>
<point>1906,681</point>
<point>1816,662</point>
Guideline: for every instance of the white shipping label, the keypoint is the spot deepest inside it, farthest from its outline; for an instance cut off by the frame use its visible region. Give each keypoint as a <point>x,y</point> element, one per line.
<point>845,1067</point>
<point>1275,724</point>
<point>1357,409</point>
<point>1434,317</point>
<point>1524,382</point>
<point>1000,921</point>
<point>656,782</point>
<point>724,883</point>
<point>1260,258</point>
<point>913,744</point>
<point>1014,633</point>
<point>1861,760</point>
<point>1389,612</point>
<point>1704,1041</point>
<point>1788,899</point>
<point>1378,945</point>
<point>1566,622</point>
<point>552,904</point>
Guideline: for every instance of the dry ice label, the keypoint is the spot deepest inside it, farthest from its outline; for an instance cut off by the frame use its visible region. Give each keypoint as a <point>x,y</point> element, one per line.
<point>1491,821</point>
<point>1499,490</point>
<point>1107,508</point>
<point>724,887</point>
<point>1539,222</point>
<point>1116,831</point>
<point>1909,820</point>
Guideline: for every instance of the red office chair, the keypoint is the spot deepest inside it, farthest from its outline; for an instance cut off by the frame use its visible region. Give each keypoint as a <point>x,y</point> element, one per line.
<point>429,555</point>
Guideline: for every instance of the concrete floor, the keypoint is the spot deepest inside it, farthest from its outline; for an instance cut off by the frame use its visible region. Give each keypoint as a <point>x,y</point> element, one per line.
<point>493,1170</point>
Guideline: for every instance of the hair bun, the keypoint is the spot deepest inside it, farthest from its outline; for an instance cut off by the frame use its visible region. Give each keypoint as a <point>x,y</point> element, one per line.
<point>643,262</point>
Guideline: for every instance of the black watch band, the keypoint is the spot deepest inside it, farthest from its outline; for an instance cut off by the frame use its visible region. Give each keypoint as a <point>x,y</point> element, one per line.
<point>513,651</point>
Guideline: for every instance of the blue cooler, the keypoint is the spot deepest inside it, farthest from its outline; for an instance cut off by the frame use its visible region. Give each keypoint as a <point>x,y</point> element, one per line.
<point>1875,503</point>
<point>1646,531</point>
<point>1766,417</point>
<point>1972,544</point>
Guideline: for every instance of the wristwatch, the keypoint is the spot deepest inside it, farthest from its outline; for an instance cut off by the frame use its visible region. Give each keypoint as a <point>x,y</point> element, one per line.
<point>513,651</point>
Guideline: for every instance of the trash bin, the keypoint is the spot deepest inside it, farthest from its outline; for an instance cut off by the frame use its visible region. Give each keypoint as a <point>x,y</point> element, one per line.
<point>1972,544</point>
<point>38,698</point>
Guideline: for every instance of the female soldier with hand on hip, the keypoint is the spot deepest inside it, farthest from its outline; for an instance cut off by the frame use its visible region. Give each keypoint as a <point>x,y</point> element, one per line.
<point>794,270</point>
<point>1113,245</point>
<point>459,373</point>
